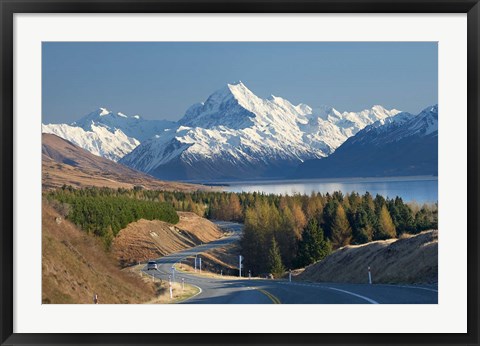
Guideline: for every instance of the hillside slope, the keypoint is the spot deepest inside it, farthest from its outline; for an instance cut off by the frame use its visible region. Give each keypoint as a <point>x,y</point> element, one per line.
<point>65,163</point>
<point>75,267</point>
<point>144,240</point>
<point>409,260</point>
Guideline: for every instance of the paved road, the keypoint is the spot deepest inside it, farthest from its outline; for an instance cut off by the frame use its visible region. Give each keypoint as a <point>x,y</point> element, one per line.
<point>244,291</point>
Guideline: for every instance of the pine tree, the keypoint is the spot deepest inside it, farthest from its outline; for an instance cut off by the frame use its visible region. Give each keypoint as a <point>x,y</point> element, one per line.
<point>275,260</point>
<point>341,230</point>
<point>362,229</point>
<point>313,247</point>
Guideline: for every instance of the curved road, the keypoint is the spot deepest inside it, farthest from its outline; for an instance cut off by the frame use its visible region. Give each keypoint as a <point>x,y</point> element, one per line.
<point>255,291</point>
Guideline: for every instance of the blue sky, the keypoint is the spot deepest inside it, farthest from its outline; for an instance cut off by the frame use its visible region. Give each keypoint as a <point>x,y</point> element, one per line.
<point>160,80</point>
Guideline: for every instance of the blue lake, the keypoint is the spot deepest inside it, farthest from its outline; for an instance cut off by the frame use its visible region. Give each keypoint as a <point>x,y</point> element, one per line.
<point>419,189</point>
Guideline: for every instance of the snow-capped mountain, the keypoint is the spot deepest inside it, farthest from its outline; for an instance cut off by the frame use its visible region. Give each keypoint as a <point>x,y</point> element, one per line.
<point>133,126</point>
<point>100,141</point>
<point>235,134</point>
<point>108,134</point>
<point>405,144</point>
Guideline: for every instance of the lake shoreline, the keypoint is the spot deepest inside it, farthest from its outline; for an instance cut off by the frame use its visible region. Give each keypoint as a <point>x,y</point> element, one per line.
<point>321,180</point>
<point>421,189</point>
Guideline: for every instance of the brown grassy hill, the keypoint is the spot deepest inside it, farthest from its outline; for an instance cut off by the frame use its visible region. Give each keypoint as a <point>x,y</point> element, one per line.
<point>66,163</point>
<point>75,266</point>
<point>408,260</point>
<point>144,239</point>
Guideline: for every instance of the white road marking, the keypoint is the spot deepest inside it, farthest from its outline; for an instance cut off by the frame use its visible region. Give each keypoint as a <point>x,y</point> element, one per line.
<point>199,292</point>
<point>371,301</point>
<point>418,288</point>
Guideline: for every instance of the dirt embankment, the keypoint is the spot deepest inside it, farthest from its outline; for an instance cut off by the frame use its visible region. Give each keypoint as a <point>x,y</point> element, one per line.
<point>222,260</point>
<point>75,266</point>
<point>411,260</point>
<point>144,240</point>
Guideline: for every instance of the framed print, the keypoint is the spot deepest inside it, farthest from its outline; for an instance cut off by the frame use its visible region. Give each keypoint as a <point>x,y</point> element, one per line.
<point>239,173</point>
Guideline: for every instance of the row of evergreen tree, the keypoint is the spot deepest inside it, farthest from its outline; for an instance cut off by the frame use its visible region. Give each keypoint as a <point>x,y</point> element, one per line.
<point>105,214</point>
<point>301,228</point>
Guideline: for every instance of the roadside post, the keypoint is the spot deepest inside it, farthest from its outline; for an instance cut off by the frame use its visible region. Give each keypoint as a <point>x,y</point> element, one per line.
<point>195,263</point>
<point>183,284</point>
<point>171,291</point>
<point>249,275</point>
<point>95,298</point>
<point>289,275</point>
<point>240,259</point>
<point>369,276</point>
<point>200,264</point>
<point>221,272</point>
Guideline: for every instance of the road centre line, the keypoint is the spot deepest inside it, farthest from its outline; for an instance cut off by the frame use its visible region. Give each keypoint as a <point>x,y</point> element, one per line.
<point>274,299</point>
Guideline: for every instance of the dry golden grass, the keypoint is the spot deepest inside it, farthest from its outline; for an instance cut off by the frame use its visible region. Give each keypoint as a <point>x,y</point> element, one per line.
<point>65,163</point>
<point>411,259</point>
<point>75,267</point>
<point>180,292</point>
<point>144,239</point>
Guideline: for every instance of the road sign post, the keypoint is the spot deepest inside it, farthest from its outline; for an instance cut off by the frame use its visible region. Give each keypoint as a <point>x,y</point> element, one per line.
<point>369,276</point>
<point>240,259</point>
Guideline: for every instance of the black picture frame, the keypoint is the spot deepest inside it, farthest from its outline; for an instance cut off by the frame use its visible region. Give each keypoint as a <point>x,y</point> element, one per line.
<point>10,7</point>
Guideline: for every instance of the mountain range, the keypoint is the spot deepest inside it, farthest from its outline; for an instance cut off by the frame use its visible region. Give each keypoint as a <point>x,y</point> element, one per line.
<point>108,134</point>
<point>402,145</point>
<point>233,135</point>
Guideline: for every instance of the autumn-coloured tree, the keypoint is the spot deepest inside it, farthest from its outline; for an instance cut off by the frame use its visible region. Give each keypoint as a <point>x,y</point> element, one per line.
<point>386,228</point>
<point>234,208</point>
<point>341,230</point>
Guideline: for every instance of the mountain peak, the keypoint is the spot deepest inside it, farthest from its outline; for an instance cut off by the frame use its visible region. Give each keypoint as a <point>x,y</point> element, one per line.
<point>240,91</point>
<point>102,111</point>
<point>431,109</point>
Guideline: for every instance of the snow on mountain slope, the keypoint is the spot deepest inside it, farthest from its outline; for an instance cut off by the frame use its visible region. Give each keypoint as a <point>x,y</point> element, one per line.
<point>107,134</point>
<point>235,134</point>
<point>398,127</point>
<point>405,144</point>
<point>99,140</point>
<point>132,126</point>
